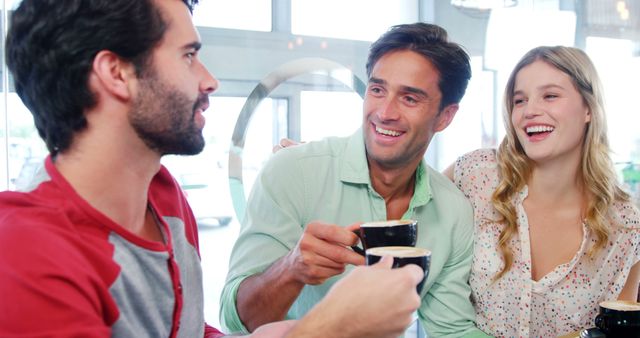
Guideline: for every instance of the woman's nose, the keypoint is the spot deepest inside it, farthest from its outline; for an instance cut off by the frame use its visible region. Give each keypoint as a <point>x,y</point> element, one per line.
<point>532,109</point>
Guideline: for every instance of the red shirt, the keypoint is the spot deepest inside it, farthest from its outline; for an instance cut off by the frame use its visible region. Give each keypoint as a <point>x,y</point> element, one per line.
<point>67,270</point>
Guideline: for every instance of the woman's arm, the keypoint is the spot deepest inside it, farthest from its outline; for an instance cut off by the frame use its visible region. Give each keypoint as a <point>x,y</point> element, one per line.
<point>449,171</point>
<point>630,290</point>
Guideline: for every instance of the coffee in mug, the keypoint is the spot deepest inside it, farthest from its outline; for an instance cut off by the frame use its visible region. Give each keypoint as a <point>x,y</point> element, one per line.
<point>402,232</point>
<point>402,255</point>
<point>619,318</point>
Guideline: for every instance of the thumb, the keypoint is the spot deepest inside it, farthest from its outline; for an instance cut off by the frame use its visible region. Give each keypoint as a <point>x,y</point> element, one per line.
<point>416,272</point>
<point>385,263</point>
<point>354,226</point>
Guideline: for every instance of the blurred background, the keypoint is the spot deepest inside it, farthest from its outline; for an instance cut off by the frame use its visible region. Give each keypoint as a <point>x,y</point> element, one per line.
<point>296,68</point>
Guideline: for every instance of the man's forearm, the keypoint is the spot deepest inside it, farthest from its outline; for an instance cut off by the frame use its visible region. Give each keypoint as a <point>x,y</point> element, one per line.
<point>267,297</point>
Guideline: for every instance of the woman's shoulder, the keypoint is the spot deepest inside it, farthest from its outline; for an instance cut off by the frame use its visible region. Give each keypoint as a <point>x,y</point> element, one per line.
<point>482,155</point>
<point>476,173</point>
<point>626,215</point>
<point>478,159</point>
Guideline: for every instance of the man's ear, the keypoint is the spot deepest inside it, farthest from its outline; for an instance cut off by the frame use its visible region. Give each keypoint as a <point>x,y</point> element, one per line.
<point>446,116</point>
<point>113,74</point>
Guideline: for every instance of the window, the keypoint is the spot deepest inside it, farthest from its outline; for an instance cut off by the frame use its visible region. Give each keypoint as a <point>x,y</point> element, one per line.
<point>24,147</point>
<point>254,15</point>
<point>616,61</point>
<point>329,114</point>
<point>353,19</point>
<point>473,126</point>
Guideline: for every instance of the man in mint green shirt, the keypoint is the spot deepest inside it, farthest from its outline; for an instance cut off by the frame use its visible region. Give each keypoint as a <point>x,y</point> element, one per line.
<point>295,237</point>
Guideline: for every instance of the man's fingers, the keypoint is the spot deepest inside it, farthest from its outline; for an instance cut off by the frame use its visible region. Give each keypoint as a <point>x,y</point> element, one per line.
<point>354,226</point>
<point>314,253</point>
<point>332,233</point>
<point>340,254</point>
<point>285,142</point>
<point>320,244</point>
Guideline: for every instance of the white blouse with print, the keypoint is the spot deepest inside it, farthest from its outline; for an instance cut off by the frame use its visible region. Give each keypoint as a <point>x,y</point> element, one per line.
<point>563,301</point>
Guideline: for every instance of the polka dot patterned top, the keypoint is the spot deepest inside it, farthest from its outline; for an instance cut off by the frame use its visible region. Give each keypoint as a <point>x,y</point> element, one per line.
<point>565,300</point>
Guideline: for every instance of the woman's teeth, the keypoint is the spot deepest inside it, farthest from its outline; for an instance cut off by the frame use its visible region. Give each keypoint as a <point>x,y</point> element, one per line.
<point>538,129</point>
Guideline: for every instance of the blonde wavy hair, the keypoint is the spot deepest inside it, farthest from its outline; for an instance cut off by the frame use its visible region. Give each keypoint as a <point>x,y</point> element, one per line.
<point>596,172</point>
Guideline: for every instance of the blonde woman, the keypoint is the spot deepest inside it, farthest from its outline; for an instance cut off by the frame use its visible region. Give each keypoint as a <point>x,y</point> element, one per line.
<point>555,234</point>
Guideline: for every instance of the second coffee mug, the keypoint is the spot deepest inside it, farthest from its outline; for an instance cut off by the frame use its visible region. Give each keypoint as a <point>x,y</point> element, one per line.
<point>619,319</point>
<point>402,232</point>
<point>402,255</point>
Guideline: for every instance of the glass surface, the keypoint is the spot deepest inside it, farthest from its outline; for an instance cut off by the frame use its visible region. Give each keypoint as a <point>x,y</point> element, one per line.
<point>558,29</point>
<point>205,180</point>
<point>353,19</point>
<point>254,15</point>
<point>205,177</point>
<point>616,60</point>
<point>25,149</point>
<point>472,127</point>
<point>4,169</point>
<point>11,4</point>
<point>329,114</point>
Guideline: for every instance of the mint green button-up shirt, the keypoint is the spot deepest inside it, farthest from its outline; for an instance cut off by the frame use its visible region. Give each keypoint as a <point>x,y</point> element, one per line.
<point>329,181</point>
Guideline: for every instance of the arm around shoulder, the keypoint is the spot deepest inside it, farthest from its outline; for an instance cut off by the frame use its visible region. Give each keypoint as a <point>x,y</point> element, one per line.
<point>370,302</point>
<point>631,287</point>
<point>448,172</point>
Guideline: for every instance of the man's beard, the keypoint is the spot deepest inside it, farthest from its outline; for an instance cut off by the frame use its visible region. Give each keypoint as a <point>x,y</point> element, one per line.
<point>163,117</point>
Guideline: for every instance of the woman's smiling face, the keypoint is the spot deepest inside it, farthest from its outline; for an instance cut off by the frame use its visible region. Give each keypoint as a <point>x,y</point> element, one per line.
<point>549,114</point>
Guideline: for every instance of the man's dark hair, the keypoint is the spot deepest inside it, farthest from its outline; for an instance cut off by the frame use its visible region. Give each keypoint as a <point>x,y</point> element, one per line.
<point>432,42</point>
<point>50,49</point>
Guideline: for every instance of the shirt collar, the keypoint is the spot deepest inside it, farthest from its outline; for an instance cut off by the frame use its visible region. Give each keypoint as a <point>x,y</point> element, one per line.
<point>354,161</point>
<point>355,169</point>
<point>422,193</point>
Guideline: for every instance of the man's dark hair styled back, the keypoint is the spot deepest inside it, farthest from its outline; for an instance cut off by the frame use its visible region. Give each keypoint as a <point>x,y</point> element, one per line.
<point>432,42</point>
<point>50,49</point>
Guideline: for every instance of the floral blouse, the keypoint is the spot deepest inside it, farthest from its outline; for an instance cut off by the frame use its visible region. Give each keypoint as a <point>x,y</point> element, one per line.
<point>566,299</point>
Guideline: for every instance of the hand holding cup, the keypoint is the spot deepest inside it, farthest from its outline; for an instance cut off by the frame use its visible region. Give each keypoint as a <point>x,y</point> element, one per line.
<point>402,255</point>
<point>386,233</point>
<point>321,253</point>
<point>371,301</point>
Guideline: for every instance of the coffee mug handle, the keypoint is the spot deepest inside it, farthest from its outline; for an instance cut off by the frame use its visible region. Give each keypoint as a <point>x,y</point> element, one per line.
<point>356,248</point>
<point>601,322</point>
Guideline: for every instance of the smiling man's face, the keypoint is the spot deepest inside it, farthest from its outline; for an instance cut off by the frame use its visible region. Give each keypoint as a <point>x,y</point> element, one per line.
<point>401,109</point>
